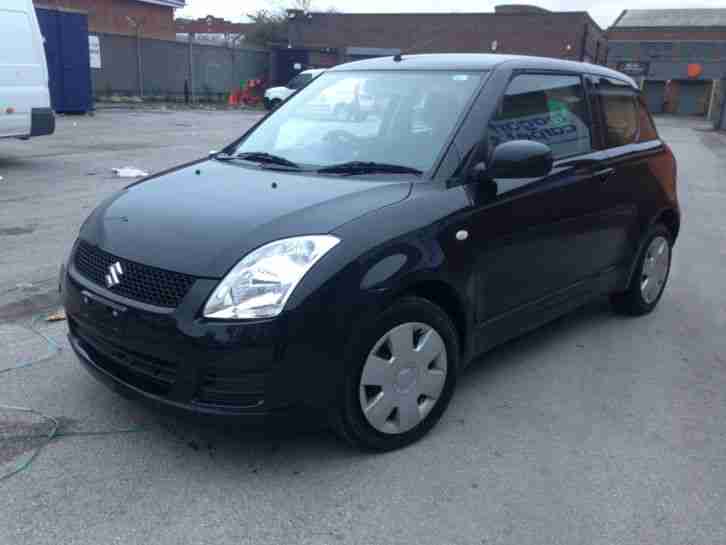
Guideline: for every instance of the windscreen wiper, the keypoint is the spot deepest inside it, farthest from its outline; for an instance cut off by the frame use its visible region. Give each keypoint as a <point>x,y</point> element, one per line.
<point>368,167</point>
<point>259,157</point>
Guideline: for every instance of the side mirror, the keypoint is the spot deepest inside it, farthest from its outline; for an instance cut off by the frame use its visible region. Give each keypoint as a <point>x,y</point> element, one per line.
<point>520,159</point>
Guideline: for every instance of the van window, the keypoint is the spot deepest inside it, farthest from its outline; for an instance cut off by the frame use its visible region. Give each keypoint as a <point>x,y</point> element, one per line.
<point>620,108</point>
<point>21,48</point>
<point>547,108</point>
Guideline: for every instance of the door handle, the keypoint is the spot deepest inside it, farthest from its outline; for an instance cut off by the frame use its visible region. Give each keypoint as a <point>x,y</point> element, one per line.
<point>605,173</point>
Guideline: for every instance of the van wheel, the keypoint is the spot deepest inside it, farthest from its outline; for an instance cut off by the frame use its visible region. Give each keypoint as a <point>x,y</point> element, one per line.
<point>650,276</point>
<point>401,377</point>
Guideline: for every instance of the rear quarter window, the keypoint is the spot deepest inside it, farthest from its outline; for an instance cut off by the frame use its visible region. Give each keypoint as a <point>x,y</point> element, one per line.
<point>625,118</point>
<point>647,127</point>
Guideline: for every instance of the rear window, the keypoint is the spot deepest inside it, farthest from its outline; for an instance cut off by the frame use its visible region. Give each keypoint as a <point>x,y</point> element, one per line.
<point>17,47</point>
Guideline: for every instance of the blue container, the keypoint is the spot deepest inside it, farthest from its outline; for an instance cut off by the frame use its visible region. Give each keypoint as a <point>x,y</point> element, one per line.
<point>69,69</point>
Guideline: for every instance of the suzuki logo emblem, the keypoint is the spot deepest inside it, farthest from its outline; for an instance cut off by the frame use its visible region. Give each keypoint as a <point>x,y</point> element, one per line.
<point>115,272</point>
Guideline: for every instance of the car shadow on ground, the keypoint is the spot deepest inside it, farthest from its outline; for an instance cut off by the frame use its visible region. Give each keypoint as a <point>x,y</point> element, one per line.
<point>307,434</point>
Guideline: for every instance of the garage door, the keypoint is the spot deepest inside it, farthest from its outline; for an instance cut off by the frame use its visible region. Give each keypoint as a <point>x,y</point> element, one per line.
<point>654,92</point>
<point>693,98</point>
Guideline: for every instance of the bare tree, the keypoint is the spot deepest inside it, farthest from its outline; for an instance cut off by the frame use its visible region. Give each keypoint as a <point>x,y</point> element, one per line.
<point>268,26</point>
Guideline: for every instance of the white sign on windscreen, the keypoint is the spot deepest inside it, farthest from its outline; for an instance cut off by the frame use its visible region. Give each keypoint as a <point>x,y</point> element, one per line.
<point>94,48</point>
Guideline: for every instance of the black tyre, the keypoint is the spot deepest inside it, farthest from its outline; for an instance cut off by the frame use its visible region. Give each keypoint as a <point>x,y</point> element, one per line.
<point>275,104</point>
<point>401,377</point>
<point>650,276</point>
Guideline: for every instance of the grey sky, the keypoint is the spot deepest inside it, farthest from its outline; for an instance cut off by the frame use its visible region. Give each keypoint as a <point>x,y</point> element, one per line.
<point>604,12</point>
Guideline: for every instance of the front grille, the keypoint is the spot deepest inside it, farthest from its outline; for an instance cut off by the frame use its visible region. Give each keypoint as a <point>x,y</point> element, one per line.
<point>148,374</point>
<point>231,387</point>
<point>138,282</point>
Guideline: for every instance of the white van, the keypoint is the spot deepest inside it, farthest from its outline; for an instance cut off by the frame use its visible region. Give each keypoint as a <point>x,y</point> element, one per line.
<point>24,97</point>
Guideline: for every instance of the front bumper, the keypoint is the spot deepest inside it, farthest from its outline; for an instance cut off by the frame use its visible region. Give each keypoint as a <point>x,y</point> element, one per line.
<point>174,359</point>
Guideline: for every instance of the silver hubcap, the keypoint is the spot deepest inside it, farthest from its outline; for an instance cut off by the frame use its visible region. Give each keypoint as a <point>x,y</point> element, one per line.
<point>655,269</point>
<point>403,377</point>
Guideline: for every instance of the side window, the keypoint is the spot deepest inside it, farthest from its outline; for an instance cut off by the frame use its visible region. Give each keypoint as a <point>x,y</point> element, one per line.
<point>619,103</point>
<point>547,108</point>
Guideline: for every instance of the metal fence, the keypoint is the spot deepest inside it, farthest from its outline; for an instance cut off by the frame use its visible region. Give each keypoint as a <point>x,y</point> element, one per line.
<point>166,70</point>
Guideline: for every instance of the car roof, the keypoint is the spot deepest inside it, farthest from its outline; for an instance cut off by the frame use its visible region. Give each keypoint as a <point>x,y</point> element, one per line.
<point>479,61</point>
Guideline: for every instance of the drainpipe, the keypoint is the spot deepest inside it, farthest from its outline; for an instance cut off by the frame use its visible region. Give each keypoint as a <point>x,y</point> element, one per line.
<point>137,24</point>
<point>583,49</point>
<point>138,54</point>
<point>191,66</point>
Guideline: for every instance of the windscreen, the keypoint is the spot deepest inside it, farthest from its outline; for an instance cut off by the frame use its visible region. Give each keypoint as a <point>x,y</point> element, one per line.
<point>396,117</point>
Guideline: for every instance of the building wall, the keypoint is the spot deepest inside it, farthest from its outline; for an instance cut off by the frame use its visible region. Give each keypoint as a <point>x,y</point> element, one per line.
<point>670,59</point>
<point>110,16</point>
<point>667,34</point>
<point>668,53</point>
<point>543,33</point>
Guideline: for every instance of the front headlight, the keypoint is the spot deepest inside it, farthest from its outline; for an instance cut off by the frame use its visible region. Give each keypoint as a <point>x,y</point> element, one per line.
<point>260,284</point>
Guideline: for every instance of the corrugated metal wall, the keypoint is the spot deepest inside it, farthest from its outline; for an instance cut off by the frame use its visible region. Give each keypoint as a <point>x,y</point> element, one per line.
<point>165,68</point>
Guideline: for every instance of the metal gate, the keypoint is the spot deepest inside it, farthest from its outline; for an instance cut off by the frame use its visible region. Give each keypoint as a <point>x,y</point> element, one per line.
<point>654,92</point>
<point>66,49</point>
<point>692,98</point>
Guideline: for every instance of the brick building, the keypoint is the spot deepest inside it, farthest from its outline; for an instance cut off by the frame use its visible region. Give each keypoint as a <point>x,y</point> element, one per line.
<point>212,29</point>
<point>155,17</point>
<point>678,55</point>
<point>324,39</point>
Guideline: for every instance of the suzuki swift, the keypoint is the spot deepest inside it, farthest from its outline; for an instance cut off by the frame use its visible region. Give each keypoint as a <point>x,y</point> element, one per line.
<point>355,266</point>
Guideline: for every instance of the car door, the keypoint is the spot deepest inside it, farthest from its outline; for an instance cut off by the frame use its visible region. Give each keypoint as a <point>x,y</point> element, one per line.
<point>630,142</point>
<point>538,240</point>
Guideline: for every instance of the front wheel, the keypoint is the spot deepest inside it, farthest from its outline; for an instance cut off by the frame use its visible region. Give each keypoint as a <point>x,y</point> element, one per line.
<point>401,378</point>
<point>650,275</point>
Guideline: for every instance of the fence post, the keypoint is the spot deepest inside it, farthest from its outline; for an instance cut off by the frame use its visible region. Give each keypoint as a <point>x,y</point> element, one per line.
<point>138,61</point>
<point>191,67</point>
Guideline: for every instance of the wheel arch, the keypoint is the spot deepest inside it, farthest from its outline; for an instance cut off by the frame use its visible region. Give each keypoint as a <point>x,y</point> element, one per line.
<point>671,219</point>
<point>444,296</point>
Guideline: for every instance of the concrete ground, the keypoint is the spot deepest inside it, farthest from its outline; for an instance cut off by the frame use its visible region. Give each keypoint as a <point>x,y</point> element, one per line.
<point>596,429</point>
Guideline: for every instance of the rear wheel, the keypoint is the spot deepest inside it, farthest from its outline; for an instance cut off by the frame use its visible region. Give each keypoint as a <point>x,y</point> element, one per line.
<point>650,276</point>
<point>401,378</point>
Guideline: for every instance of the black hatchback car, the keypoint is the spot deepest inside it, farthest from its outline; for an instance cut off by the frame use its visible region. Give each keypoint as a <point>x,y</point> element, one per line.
<point>357,265</point>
